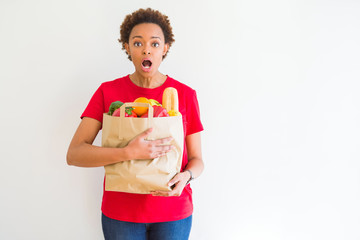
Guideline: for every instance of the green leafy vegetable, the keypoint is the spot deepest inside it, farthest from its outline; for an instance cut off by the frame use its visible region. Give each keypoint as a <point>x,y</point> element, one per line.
<point>114,106</point>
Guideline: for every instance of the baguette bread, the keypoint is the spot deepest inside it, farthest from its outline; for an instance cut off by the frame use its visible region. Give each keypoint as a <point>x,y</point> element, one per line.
<point>170,100</point>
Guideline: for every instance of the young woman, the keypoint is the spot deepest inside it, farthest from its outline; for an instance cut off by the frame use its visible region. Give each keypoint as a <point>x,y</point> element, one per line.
<point>146,36</point>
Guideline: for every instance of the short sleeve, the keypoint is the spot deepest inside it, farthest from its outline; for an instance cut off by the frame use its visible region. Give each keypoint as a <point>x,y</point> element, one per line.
<point>193,121</point>
<point>95,107</point>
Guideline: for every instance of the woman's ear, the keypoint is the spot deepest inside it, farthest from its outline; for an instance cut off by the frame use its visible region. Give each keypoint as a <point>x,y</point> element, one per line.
<point>126,45</point>
<point>166,48</point>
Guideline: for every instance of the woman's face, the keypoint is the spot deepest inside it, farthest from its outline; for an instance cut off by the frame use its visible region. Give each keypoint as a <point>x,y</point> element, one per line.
<point>146,48</point>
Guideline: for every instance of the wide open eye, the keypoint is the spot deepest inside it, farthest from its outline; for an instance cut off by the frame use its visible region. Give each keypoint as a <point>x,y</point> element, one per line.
<point>137,44</point>
<point>156,44</point>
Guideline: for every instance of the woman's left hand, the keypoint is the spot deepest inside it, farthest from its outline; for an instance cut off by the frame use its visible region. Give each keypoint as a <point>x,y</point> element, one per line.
<point>179,181</point>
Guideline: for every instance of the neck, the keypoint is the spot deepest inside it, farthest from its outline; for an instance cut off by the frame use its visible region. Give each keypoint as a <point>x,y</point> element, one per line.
<point>148,82</point>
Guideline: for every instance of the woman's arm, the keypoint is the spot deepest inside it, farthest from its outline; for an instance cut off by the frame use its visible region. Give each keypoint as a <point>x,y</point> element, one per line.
<point>82,153</point>
<point>195,165</point>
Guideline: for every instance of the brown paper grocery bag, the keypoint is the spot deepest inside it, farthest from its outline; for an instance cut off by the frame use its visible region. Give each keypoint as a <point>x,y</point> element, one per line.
<point>142,176</point>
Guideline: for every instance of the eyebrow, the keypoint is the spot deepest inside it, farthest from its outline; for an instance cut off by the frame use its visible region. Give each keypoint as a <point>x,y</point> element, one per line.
<point>142,37</point>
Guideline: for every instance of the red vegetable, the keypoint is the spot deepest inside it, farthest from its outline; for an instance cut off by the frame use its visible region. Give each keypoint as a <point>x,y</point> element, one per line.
<point>116,113</point>
<point>158,112</point>
<point>129,112</point>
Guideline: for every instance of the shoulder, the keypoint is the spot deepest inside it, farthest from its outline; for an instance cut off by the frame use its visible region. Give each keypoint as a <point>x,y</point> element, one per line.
<point>181,87</point>
<point>114,83</point>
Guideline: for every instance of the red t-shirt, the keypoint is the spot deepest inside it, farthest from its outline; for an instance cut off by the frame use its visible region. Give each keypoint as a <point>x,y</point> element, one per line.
<point>145,208</point>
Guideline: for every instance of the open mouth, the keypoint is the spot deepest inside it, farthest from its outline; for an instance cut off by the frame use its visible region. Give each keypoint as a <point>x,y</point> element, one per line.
<point>146,64</point>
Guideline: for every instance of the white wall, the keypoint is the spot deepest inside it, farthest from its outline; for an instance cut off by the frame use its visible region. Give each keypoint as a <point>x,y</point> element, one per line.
<point>278,85</point>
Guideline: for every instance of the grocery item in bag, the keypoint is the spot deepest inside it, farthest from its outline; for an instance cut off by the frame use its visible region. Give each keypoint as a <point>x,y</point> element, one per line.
<point>142,175</point>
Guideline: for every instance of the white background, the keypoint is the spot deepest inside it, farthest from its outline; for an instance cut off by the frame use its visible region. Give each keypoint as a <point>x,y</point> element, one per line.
<point>278,86</point>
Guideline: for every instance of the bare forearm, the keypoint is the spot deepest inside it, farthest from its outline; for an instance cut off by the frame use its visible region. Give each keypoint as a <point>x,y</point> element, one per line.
<point>196,166</point>
<point>87,155</point>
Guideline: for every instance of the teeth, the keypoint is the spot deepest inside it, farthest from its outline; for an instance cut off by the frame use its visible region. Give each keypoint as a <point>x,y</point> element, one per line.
<point>146,64</point>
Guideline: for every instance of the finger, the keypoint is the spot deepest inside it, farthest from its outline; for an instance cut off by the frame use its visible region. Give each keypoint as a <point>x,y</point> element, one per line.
<point>164,148</point>
<point>173,193</point>
<point>145,133</point>
<point>177,190</point>
<point>174,180</point>
<point>161,193</point>
<point>163,141</point>
<point>159,154</point>
<point>163,153</point>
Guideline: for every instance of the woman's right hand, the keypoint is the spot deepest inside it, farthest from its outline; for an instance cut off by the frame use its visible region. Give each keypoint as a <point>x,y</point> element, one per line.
<point>140,148</point>
<point>82,153</point>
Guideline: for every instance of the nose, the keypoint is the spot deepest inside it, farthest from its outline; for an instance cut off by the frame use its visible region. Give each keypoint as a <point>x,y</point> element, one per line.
<point>146,51</point>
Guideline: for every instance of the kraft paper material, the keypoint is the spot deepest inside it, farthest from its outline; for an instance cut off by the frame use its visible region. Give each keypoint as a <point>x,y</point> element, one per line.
<point>142,176</point>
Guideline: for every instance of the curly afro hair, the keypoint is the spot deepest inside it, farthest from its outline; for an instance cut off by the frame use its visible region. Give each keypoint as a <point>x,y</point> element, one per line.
<point>145,16</point>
